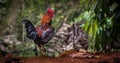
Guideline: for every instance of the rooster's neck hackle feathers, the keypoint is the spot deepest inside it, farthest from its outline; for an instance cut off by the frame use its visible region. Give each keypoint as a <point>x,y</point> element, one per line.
<point>46,20</point>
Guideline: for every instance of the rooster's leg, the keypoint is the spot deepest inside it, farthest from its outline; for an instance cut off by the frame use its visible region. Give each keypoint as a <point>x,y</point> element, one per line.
<point>42,50</point>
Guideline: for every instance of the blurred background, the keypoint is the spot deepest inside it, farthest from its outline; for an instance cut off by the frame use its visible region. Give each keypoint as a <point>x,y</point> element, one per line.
<point>92,25</point>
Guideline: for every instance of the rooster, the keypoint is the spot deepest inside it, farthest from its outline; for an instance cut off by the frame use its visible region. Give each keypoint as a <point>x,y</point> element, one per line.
<point>42,33</point>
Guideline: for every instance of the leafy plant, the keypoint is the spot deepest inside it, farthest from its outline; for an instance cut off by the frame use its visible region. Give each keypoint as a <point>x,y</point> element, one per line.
<point>100,24</point>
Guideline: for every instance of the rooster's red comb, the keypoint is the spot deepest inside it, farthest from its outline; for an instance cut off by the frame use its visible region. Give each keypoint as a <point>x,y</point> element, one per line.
<point>50,10</point>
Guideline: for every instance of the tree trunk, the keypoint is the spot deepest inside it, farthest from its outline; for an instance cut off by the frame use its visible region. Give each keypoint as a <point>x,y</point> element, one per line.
<point>10,16</point>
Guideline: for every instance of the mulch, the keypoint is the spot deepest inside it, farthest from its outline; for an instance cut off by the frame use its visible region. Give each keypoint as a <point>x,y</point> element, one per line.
<point>66,57</point>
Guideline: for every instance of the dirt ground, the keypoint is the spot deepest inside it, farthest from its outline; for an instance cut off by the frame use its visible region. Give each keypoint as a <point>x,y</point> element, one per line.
<point>66,57</point>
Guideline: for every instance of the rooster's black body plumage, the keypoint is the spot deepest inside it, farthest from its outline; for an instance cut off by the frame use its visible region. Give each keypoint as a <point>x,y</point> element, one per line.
<point>33,33</point>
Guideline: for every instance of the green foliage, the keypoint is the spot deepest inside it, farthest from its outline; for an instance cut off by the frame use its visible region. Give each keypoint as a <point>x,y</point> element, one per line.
<point>99,24</point>
<point>27,53</point>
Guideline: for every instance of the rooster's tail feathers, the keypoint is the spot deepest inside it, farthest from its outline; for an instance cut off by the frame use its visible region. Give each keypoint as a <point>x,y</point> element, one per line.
<point>30,29</point>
